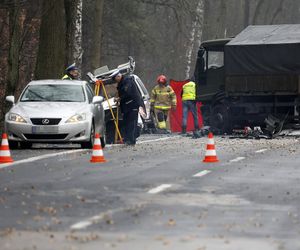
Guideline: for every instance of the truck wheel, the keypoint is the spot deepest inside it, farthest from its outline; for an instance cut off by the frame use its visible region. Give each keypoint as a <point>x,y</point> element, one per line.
<point>219,119</point>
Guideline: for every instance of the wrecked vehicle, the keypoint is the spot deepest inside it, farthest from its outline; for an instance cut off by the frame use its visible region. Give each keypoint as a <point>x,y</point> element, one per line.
<point>109,104</point>
<point>252,79</point>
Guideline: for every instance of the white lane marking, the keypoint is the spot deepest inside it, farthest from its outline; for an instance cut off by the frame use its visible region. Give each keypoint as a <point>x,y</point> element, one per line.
<point>93,220</point>
<point>238,159</point>
<point>159,139</point>
<point>102,216</point>
<point>81,225</point>
<point>147,141</point>
<point>159,188</point>
<point>36,158</point>
<point>261,150</point>
<point>202,173</point>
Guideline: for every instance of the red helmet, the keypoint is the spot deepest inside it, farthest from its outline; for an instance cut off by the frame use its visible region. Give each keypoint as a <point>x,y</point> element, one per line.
<point>161,79</point>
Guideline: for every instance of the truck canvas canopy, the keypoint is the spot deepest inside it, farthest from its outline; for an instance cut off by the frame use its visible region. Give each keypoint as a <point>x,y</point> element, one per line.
<point>264,50</point>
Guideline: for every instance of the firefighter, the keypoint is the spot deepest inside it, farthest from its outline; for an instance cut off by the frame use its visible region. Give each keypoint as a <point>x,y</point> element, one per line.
<point>130,102</point>
<point>163,99</point>
<point>72,73</point>
<point>189,104</point>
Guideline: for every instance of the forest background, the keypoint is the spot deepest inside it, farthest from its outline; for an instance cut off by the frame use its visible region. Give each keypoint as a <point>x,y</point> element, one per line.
<point>39,38</point>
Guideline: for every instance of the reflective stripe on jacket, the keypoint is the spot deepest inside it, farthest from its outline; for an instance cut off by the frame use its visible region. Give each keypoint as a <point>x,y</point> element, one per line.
<point>189,91</point>
<point>66,77</point>
<point>163,97</point>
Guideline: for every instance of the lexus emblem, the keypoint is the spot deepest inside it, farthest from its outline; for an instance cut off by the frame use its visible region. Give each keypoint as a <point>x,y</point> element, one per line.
<point>45,121</point>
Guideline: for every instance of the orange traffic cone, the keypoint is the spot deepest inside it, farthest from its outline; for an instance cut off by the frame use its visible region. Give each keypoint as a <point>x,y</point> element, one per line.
<point>97,155</point>
<point>210,155</point>
<point>4,150</point>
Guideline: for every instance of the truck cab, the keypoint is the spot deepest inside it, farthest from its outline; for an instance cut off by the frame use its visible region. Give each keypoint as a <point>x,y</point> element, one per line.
<point>251,79</point>
<point>210,79</point>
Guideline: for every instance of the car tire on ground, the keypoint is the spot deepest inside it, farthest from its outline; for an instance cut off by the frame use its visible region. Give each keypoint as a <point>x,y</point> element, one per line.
<point>13,144</point>
<point>25,145</point>
<point>90,143</point>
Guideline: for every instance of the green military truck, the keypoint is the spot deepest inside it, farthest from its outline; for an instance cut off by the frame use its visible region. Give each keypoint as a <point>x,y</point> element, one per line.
<point>252,79</point>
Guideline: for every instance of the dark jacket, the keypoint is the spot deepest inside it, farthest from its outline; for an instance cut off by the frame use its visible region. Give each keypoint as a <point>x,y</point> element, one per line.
<point>130,97</point>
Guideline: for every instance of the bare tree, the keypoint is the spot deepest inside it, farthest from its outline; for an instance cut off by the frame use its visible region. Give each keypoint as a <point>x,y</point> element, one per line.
<point>14,48</point>
<point>97,34</point>
<point>195,36</point>
<point>277,11</point>
<point>246,12</point>
<point>52,46</point>
<point>257,11</point>
<point>74,31</point>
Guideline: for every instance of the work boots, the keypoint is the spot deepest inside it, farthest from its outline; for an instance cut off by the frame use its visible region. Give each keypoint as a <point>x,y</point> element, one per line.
<point>183,132</point>
<point>196,133</point>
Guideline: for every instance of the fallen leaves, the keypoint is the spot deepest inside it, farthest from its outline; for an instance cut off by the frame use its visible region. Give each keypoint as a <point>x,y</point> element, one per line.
<point>171,222</point>
<point>83,238</point>
<point>2,200</point>
<point>6,232</point>
<point>48,210</point>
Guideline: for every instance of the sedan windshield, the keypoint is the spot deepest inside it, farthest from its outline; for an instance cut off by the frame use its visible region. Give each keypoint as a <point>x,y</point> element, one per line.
<point>53,93</point>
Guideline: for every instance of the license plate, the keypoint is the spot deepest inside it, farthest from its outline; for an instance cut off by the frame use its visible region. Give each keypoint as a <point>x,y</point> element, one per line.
<point>44,129</point>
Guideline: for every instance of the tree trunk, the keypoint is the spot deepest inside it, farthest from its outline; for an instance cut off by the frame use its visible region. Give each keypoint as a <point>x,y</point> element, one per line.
<point>277,11</point>
<point>52,46</point>
<point>97,35</point>
<point>195,36</point>
<point>14,48</point>
<point>74,31</point>
<point>246,13</point>
<point>78,51</point>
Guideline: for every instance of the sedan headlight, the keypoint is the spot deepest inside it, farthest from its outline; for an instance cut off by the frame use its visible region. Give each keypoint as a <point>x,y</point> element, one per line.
<point>76,118</point>
<point>16,118</point>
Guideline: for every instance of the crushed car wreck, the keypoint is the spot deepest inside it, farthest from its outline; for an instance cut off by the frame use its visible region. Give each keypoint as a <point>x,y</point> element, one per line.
<point>113,116</point>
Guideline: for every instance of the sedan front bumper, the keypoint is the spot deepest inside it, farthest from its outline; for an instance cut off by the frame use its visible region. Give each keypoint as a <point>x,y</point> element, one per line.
<point>67,132</point>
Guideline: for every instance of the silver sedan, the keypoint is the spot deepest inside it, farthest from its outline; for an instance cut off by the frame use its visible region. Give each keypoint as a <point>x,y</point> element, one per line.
<point>55,111</point>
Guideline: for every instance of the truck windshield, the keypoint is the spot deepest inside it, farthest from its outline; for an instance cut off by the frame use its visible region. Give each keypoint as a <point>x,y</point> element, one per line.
<point>215,59</point>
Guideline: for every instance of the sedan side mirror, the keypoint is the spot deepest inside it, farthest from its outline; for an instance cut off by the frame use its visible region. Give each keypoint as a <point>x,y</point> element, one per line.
<point>97,99</point>
<point>11,99</point>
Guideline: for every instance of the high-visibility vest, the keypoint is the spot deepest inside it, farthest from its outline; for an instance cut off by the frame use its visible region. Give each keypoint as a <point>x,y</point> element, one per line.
<point>189,91</point>
<point>66,77</point>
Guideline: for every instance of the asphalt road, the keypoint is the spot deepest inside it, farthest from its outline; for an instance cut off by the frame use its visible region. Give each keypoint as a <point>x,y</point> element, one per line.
<point>156,195</point>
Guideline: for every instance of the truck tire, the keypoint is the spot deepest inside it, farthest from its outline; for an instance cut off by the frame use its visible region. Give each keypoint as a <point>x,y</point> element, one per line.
<point>219,119</point>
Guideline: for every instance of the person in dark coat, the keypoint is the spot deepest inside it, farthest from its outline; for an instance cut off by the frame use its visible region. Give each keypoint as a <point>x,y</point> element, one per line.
<point>130,102</point>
